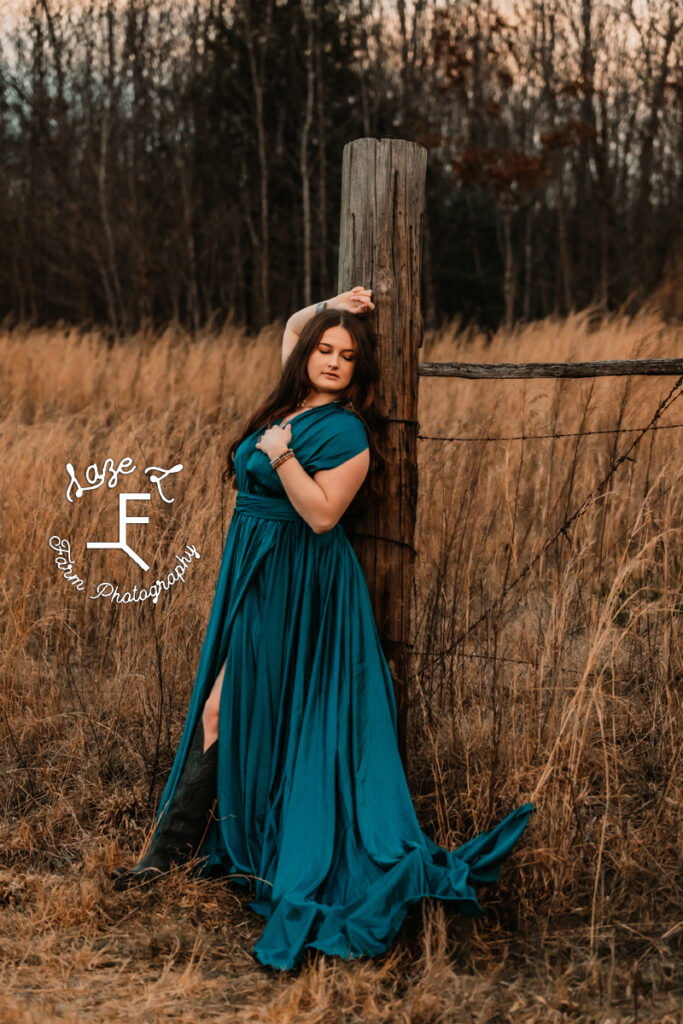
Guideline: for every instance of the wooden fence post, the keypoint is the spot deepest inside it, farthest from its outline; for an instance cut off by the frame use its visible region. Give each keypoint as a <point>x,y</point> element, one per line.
<point>380,242</point>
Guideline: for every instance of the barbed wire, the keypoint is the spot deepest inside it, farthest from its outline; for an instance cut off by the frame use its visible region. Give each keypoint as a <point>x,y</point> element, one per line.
<point>661,408</point>
<point>516,437</point>
<point>515,661</point>
<point>536,437</point>
<point>496,657</point>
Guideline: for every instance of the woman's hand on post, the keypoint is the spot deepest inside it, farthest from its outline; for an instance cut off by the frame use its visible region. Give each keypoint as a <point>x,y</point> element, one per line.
<point>358,300</point>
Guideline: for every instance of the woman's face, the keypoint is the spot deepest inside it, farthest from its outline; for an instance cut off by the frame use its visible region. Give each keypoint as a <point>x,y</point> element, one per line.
<point>336,354</point>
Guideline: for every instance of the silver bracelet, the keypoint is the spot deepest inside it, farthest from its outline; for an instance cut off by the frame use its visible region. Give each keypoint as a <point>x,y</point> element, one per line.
<point>281,458</point>
<point>321,306</point>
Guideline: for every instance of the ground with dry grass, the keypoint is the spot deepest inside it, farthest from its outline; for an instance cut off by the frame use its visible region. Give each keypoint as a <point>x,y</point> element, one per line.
<point>545,670</point>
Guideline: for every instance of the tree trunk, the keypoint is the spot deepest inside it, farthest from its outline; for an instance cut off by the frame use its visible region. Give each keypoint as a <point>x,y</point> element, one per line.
<point>322,159</point>
<point>509,267</point>
<point>528,261</point>
<point>259,70</point>
<point>303,152</point>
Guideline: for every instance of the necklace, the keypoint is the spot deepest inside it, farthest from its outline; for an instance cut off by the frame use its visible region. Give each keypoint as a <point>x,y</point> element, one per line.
<point>303,404</point>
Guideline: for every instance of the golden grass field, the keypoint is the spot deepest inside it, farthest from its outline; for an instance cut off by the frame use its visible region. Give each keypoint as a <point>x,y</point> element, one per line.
<point>569,695</point>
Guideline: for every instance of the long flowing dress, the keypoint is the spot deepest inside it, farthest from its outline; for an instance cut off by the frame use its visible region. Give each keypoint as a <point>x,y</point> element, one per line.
<point>312,798</point>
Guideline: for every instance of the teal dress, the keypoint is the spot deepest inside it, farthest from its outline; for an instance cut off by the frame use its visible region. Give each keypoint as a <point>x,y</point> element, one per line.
<point>313,801</point>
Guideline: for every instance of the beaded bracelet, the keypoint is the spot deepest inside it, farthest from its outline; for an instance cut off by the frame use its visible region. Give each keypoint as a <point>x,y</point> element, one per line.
<point>281,458</point>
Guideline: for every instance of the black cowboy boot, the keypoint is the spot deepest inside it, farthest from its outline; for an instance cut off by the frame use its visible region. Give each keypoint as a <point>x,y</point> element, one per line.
<point>182,827</point>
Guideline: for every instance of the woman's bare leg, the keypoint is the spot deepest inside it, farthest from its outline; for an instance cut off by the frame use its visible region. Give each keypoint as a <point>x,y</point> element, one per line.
<point>210,712</point>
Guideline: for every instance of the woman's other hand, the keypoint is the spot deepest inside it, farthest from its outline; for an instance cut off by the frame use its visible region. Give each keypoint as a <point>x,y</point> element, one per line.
<point>275,440</point>
<point>358,300</point>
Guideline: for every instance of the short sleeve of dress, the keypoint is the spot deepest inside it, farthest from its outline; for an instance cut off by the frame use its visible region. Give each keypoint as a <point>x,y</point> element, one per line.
<point>342,438</point>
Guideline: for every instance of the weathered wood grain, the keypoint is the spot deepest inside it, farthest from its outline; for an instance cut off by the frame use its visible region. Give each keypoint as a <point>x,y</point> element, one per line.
<point>382,209</point>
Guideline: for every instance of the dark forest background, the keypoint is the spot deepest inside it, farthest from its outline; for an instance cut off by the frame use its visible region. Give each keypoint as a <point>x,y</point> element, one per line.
<point>166,161</point>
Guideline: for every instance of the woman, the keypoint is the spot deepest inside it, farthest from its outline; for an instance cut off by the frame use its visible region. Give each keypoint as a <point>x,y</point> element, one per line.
<point>295,736</point>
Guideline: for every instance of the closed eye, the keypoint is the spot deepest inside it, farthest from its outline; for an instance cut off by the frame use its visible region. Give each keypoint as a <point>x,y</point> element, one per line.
<point>325,351</point>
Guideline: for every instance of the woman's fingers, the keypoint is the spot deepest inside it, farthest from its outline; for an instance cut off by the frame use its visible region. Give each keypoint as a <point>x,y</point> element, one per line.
<point>357,299</point>
<point>362,296</point>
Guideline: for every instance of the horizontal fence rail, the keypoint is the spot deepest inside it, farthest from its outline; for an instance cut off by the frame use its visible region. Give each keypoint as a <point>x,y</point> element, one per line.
<point>603,368</point>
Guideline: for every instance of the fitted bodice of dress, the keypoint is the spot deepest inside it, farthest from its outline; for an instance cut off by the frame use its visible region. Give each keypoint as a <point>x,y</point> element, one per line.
<point>322,437</point>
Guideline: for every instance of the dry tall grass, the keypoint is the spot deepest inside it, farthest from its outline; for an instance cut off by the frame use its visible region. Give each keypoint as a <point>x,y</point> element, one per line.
<point>569,693</point>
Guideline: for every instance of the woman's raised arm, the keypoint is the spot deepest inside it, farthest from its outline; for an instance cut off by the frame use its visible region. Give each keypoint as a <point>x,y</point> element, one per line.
<point>289,340</point>
<point>355,301</point>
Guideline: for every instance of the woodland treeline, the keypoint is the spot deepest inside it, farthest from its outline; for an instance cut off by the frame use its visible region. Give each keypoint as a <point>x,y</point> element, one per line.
<point>166,161</point>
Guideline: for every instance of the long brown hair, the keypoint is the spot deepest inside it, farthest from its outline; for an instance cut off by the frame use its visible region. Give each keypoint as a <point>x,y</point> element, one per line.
<point>360,396</point>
